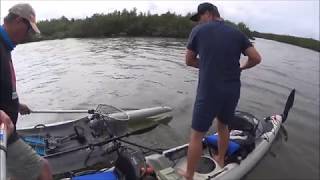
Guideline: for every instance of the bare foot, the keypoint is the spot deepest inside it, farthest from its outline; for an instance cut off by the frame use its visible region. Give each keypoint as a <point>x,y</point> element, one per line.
<point>184,175</point>
<point>219,160</point>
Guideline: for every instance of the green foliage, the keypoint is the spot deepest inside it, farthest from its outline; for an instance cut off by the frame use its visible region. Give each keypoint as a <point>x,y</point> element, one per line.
<point>120,23</point>
<point>124,23</point>
<point>132,23</point>
<point>241,27</point>
<point>298,41</point>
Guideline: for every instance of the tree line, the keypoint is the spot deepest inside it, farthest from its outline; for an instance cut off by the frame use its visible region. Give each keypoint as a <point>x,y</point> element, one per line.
<point>132,23</point>
<point>122,23</point>
<point>298,41</point>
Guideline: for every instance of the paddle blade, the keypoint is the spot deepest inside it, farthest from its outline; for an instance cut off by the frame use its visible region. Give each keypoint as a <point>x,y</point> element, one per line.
<point>289,105</point>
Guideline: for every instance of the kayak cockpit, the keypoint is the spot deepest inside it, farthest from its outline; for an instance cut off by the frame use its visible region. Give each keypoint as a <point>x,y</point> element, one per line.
<point>242,138</point>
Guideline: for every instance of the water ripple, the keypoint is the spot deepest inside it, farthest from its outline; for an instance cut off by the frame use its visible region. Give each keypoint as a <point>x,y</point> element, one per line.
<point>145,72</point>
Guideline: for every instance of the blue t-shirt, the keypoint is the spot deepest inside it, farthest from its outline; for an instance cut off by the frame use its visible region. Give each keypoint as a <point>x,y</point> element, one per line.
<point>219,47</point>
<point>6,39</point>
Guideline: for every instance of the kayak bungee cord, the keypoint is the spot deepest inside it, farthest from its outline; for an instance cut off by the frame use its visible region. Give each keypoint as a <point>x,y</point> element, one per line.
<point>157,150</point>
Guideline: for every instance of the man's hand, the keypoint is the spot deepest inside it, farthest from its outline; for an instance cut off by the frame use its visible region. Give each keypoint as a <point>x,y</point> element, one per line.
<point>24,109</point>
<point>254,58</point>
<point>4,118</point>
<point>191,59</point>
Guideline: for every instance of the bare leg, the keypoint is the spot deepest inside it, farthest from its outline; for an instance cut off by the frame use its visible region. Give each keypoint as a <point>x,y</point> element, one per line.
<point>46,173</point>
<point>194,153</point>
<point>223,142</point>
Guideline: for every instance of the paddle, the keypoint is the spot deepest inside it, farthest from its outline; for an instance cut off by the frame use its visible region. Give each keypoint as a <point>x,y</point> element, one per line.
<point>3,149</point>
<point>101,109</point>
<point>288,106</point>
<point>136,132</point>
<point>91,111</point>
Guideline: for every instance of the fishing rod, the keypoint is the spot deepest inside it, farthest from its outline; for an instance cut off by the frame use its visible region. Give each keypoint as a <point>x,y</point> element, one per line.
<point>3,151</point>
<point>136,132</point>
<point>87,111</point>
<point>90,111</point>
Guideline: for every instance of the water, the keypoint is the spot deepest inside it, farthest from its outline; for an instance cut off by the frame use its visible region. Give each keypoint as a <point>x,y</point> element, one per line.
<point>145,72</point>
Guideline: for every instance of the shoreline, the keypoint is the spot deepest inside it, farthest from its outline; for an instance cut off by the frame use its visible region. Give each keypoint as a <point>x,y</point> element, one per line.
<point>127,36</point>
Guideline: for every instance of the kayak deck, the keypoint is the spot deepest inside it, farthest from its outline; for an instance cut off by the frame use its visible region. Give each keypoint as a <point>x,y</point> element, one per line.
<point>55,140</point>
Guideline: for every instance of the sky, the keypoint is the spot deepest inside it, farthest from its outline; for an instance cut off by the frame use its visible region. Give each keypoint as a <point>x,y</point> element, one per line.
<point>294,17</point>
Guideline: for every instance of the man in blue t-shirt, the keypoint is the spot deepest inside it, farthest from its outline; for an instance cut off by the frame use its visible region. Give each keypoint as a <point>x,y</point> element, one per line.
<point>219,47</point>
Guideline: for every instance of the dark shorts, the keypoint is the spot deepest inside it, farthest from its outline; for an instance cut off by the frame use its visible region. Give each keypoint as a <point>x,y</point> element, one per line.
<point>221,106</point>
<point>23,162</point>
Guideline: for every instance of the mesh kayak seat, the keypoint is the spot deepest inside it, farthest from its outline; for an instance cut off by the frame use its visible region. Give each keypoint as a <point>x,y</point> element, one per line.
<point>37,143</point>
<point>212,141</point>
<point>34,140</point>
<point>108,175</point>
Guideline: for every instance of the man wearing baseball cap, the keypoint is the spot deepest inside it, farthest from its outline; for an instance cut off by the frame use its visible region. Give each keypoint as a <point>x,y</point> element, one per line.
<point>219,47</point>
<point>22,161</point>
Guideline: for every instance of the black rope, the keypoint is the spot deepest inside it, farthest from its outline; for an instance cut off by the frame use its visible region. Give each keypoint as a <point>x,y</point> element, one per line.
<point>79,134</point>
<point>140,146</point>
<point>2,147</point>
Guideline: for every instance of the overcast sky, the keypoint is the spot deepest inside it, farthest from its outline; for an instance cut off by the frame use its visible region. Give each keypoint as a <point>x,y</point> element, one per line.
<point>295,17</point>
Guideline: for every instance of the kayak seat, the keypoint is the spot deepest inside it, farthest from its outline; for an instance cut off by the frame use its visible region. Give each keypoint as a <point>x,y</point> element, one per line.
<point>37,143</point>
<point>40,150</point>
<point>245,122</point>
<point>241,143</point>
<point>109,175</point>
<point>212,141</point>
<point>34,140</point>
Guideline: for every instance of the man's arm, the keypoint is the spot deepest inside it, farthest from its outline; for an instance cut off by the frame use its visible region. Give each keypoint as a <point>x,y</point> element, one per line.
<point>254,58</point>
<point>191,59</point>
<point>24,109</point>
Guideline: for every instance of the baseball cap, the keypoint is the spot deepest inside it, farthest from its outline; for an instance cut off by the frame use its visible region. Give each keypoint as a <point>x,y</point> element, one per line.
<point>25,11</point>
<point>202,8</point>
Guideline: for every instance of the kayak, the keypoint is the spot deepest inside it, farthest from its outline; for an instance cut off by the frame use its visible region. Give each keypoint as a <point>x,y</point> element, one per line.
<point>71,145</point>
<point>250,139</point>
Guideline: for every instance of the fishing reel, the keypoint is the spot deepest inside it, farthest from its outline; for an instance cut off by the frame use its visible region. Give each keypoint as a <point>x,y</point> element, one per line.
<point>131,164</point>
<point>99,126</point>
